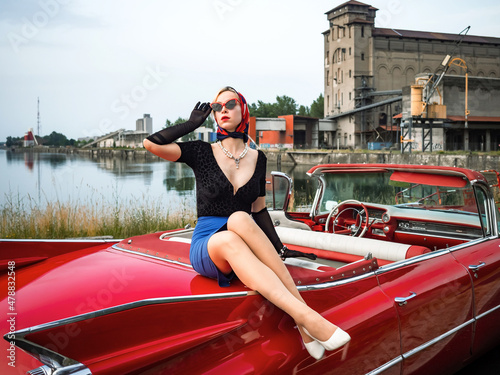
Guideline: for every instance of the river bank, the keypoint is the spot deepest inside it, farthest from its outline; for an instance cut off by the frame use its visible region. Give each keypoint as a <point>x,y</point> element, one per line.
<point>470,160</point>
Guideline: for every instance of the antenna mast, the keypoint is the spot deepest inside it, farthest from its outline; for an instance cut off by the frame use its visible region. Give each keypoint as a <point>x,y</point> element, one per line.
<point>38,117</point>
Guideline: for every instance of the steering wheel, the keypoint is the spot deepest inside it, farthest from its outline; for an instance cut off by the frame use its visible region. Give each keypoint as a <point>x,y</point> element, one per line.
<point>356,229</point>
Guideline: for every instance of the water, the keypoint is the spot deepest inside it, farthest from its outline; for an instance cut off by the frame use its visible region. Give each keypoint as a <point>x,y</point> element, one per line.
<point>59,177</point>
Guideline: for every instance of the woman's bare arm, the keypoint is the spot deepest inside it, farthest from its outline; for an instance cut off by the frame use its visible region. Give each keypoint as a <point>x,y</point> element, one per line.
<point>170,152</point>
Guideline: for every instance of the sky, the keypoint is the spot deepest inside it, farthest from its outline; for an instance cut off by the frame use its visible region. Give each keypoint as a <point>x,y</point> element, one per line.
<point>99,65</point>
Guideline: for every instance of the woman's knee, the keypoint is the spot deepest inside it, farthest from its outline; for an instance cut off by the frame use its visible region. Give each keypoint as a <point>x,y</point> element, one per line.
<point>224,239</point>
<point>239,220</point>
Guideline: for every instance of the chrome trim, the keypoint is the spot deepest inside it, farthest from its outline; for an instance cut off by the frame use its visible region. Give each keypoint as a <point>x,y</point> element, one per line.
<point>433,235</point>
<point>290,188</point>
<point>116,247</point>
<point>127,306</point>
<point>470,243</point>
<point>437,339</point>
<point>176,233</point>
<point>475,267</point>
<point>386,366</point>
<point>415,259</point>
<point>401,301</point>
<point>68,370</point>
<point>43,370</point>
<point>320,190</point>
<point>492,209</point>
<point>102,241</point>
<point>330,284</point>
<point>487,312</point>
<point>418,349</point>
<point>64,365</point>
<point>432,254</point>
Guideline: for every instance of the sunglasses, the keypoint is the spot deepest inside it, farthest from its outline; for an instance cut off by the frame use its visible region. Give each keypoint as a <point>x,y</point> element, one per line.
<point>230,104</point>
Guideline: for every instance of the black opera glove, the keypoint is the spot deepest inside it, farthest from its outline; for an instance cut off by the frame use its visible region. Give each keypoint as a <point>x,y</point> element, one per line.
<point>170,134</point>
<point>263,220</point>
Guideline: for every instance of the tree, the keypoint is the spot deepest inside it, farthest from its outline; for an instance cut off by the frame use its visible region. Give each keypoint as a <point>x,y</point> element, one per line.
<point>285,106</point>
<point>13,141</point>
<point>209,123</point>
<point>55,139</point>
<point>262,109</point>
<point>318,107</point>
<point>304,111</point>
<point>188,137</point>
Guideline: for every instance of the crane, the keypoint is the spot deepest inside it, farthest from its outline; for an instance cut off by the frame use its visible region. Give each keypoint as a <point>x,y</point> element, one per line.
<point>433,82</point>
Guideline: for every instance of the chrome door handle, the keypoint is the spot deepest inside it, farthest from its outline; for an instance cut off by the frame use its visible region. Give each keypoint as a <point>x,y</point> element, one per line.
<point>401,301</point>
<point>475,267</point>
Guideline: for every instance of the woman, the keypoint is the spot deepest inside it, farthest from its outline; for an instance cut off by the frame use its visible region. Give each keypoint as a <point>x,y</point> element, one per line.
<point>230,185</point>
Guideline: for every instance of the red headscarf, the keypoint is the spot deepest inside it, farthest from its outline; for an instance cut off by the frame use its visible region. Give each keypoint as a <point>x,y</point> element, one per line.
<point>242,129</point>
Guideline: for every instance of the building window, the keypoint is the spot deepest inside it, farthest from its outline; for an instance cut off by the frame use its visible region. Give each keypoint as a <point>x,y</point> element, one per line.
<point>362,31</point>
<point>382,119</point>
<point>362,56</point>
<point>349,51</point>
<point>328,78</point>
<point>349,96</point>
<point>350,73</point>
<point>349,32</point>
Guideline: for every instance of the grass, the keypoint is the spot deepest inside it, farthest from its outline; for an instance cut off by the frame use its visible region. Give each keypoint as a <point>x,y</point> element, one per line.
<point>23,217</point>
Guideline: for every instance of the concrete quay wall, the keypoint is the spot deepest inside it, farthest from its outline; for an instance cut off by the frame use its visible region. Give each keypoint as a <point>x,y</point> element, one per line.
<point>470,161</point>
<point>465,160</point>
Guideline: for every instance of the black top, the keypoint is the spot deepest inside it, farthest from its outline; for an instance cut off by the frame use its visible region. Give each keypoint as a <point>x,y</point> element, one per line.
<point>214,192</point>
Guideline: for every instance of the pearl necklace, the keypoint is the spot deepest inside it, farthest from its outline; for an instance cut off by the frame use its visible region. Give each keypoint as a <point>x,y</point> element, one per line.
<point>230,156</point>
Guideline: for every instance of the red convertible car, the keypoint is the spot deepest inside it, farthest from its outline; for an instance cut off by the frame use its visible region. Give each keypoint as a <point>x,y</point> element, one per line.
<point>408,263</point>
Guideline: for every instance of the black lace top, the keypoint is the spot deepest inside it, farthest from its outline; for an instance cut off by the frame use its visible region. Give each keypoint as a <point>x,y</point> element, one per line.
<point>214,192</point>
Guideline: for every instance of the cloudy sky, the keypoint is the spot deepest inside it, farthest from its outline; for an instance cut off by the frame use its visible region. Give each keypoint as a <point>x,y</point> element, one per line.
<point>98,65</point>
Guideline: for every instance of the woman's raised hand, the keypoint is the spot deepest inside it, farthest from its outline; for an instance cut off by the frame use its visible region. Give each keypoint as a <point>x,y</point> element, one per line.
<point>200,113</point>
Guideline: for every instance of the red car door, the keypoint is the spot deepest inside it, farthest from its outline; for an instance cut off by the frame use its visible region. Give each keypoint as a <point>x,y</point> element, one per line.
<point>482,261</point>
<point>433,297</point>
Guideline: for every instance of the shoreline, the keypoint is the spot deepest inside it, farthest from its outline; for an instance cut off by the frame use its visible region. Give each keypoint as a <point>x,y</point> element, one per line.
<point>470,160</point>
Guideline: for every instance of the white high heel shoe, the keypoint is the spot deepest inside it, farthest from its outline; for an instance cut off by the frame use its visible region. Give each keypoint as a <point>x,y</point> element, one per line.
<point>338,339</point>
<point>315,349</point>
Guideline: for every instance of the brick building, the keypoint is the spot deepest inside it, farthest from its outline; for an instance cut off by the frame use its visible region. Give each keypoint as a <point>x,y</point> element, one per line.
<point>366,69</point>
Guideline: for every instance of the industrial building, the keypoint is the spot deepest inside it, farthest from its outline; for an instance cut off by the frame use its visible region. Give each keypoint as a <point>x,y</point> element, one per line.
<point>367,69</point>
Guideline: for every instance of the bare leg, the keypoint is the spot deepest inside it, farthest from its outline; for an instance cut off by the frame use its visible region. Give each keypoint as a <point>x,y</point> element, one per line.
<point>245,227</point>
<point>263,270</point>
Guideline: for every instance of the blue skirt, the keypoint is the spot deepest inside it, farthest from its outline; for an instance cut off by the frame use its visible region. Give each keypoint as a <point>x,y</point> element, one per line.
<point>207,226</point>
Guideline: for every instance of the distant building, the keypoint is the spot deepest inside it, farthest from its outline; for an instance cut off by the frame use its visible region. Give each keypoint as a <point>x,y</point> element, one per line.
<point>291,131</point>
<point>205,134</point>
<point>29,138</point>
<point>144,124</point>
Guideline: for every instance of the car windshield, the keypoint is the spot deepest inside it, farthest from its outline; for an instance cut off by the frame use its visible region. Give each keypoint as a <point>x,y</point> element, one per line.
<point>401,189</point>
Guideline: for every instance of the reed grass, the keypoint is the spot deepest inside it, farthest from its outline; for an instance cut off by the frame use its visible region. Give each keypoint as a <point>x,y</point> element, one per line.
<point>24,217</point>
